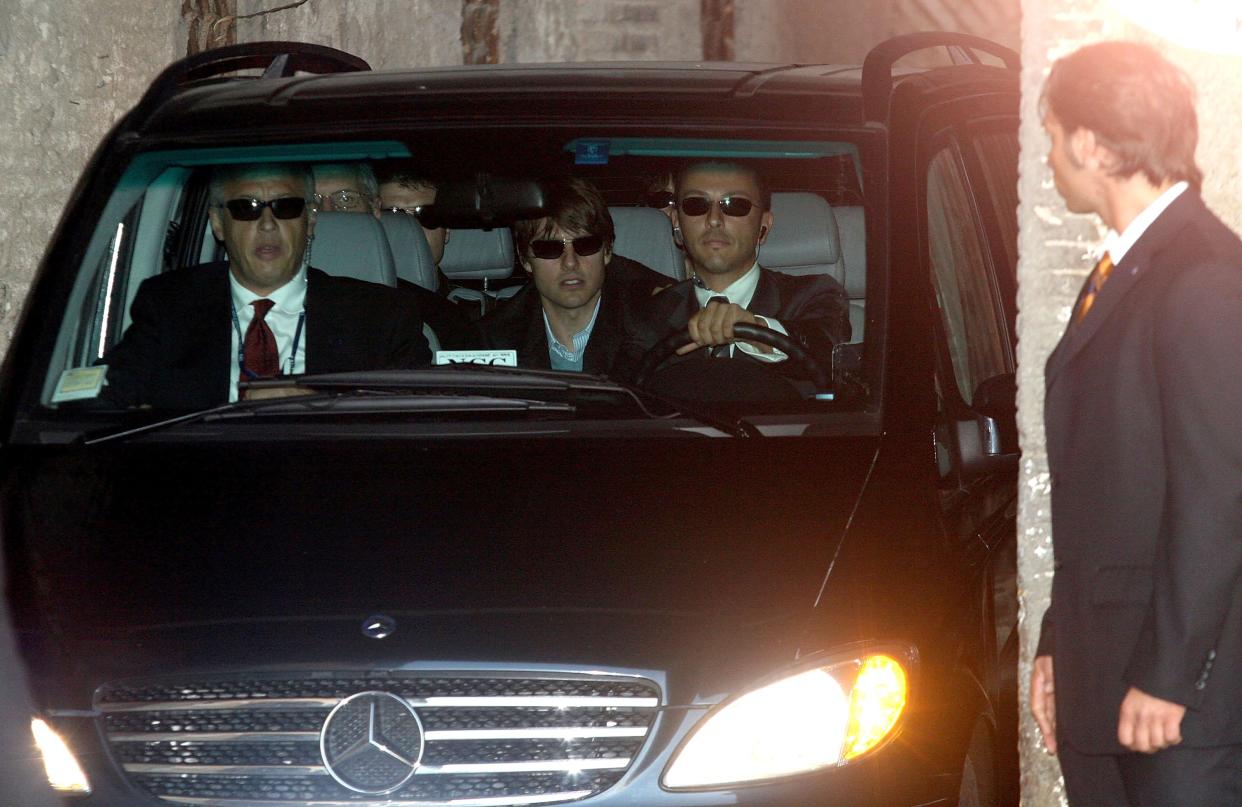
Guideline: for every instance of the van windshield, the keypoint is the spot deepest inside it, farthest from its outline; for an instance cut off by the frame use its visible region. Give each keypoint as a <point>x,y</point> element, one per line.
<point>584,277</point>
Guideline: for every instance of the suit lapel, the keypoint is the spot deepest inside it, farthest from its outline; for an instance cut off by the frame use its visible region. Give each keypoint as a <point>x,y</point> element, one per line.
<point>766,301</point>
<point>222,363</point>
<point>605,336</point>
<point>1131,271</point>
<point>320,319</point>
<point>534,348</point>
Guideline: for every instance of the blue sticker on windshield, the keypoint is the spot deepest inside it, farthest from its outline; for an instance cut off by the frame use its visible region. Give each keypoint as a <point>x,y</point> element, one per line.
<point>591,152</point>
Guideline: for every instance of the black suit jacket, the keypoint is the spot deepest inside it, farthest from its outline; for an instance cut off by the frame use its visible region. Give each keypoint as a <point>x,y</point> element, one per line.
<point>1142,410</point>
<point>176,354</point>
<point>814,310</point>
<point>452,326</point>
<point>518,323</point>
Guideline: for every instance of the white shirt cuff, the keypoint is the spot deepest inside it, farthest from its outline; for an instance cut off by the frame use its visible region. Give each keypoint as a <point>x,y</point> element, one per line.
<point>775,355</point>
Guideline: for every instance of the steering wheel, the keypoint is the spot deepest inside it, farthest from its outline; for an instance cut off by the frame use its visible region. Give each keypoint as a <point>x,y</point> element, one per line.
<point>666,347</point>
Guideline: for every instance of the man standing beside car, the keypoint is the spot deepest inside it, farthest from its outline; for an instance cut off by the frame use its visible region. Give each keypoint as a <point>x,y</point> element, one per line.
<point>196,333</point>
<point>723,216</point>
<point>1137,682</point>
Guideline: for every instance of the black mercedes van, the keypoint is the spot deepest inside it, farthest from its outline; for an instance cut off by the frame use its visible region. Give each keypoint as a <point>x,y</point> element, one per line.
<point>481,585</point>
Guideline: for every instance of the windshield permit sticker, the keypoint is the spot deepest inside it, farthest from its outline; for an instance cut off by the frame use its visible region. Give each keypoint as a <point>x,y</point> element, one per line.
<point>591,152</point>
<point>79,383</point>
<point>499,358</point>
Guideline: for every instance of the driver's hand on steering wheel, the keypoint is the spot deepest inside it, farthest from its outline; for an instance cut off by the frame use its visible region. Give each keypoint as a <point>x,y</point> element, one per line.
<point>713,325</point>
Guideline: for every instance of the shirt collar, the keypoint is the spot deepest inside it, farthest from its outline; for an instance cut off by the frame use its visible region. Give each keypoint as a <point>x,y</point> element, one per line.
<point>1118,244</point>
<point>738,292</point>
<point>288,299</point>
<point>579,339</point>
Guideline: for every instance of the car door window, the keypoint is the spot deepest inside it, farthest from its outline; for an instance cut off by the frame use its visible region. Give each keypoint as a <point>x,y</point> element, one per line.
<point>961,274</point>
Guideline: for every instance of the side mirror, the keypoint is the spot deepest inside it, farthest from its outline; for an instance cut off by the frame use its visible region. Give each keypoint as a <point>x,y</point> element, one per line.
<point>987,442</point>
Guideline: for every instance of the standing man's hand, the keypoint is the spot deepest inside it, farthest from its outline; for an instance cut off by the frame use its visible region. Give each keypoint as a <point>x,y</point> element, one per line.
<point>1044,701</point>
<point>1149,724</point>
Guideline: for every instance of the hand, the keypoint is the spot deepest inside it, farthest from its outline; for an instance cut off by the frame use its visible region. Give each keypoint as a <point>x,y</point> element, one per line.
<point>1044,701</point>
<point>1148,723</point>
<point>713,325</point>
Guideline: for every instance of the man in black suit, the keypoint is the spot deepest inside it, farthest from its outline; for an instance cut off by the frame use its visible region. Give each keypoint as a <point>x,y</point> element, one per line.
<point>1137,683</point>
<point>723,215</point>
<point>196,332</point>
<point>570,316</point>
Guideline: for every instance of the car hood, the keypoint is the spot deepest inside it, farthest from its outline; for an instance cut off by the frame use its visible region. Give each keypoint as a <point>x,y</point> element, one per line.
<point>168,555</point>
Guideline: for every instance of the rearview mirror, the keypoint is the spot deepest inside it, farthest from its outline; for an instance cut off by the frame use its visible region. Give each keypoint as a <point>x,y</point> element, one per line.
<point>487,201</point>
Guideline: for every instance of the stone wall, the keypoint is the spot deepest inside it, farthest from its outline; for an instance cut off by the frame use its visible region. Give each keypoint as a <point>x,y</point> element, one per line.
<point>68,70</point>
<point>1053,247</point>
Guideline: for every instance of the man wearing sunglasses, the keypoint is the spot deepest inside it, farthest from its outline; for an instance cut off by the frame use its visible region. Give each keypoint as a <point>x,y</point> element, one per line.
<point>405,189</point>
<point>197,332</point>
<point>569,317</point>
<point>723,217</point>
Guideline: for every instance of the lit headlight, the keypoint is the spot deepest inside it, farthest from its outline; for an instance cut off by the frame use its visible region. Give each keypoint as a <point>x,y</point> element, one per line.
<point>63,772</point>
<point>813,719</point>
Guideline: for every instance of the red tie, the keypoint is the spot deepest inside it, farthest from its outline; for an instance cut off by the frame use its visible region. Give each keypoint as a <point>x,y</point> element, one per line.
<point>259,348</point>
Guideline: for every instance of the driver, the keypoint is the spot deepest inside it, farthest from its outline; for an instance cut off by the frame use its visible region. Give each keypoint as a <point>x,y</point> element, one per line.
<point>723,215</point>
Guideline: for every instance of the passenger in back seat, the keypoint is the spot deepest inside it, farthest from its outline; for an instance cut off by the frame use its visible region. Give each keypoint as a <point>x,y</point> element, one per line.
<point>352,187</point>
<point>569,317</point>
<point>662,196</point>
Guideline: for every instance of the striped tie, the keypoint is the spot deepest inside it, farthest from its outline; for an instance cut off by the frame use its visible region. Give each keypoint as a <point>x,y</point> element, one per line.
<point>1098,276</point>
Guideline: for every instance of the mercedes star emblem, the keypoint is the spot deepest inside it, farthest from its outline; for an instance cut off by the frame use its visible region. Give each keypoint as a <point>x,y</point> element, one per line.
<point>372,742</point>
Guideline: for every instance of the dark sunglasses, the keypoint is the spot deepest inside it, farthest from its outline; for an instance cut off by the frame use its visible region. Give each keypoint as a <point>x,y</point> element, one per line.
<point>660,199</point>
<point>427,215</point>
<point>730,206</point>
<point>551,248</point>
<point>286,207</point>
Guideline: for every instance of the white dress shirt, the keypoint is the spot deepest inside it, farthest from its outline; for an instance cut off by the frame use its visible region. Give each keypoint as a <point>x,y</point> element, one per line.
<point>289,304</point>
<point>741,292</point>
<point>1118,244</point>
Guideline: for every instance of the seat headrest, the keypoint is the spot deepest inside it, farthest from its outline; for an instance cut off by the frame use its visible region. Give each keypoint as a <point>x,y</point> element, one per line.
<point>352,245</point>
<point>852,227</point>
<point>410,251</point>
<point>478,254</point>
<point>804,237</point>
<point>644,234</point>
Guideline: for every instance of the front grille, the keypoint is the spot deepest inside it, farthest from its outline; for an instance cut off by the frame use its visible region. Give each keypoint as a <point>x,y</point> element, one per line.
<point>485,739</point>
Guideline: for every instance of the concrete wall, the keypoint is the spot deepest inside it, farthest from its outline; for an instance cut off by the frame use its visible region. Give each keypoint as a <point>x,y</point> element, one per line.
<point>68,70</point>
<point>1053,245</point>
<point>842,32</point>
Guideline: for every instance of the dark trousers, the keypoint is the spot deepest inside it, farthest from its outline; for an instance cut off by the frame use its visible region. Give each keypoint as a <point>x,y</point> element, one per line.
<point>1174,777</point>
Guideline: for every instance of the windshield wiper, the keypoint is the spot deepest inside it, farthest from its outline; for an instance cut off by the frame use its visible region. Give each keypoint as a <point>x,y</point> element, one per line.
<point>434,390</point>
<point>493,377</point>
<point>342,402</point>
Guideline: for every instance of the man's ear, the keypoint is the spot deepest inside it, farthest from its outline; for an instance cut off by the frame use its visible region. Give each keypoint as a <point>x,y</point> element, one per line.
<point>525,264</point>
<point>311,213</point>
<point>1084,149</point>
<point>447,234</point>
<point>765,226</point>
<point>217,226</point>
